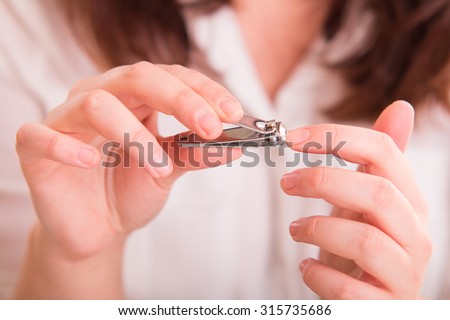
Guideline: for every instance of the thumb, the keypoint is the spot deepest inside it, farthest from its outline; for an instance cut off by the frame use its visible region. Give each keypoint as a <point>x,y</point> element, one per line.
<point>397,120</point>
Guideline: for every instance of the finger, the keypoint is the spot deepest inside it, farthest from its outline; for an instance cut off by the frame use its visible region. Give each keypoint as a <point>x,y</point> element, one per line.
<point>376,151</point>
<point>354,144</point>
<point>220,99</point>
<point>331,284</point>
<point>191,159</point>
<point>146,84</point>
<point>381,203</point>
<point>397,121</point>
<point>102,113</point>
<point>371,249</point>
<point>35,142</point>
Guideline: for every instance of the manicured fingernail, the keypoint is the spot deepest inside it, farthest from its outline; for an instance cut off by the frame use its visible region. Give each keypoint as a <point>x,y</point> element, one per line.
<point>209,123</point>
<point>290,180</point>
<point>231,108</point>
<point>303,265</point>
<point>298,136</point>
<point>86,156</point>
<point>293,228</point>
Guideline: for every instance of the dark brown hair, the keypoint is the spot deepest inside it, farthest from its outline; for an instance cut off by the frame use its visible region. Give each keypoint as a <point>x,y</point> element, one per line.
<point>406,54</point>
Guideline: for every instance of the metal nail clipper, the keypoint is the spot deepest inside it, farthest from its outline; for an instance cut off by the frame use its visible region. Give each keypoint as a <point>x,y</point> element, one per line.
<point>250,132</point>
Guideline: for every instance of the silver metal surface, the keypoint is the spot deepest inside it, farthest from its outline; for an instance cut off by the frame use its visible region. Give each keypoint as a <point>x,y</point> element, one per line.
<point>251,132</point>
<point>258,125</point>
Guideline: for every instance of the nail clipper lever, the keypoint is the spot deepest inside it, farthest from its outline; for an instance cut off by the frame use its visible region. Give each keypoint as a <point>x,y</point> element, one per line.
<point>250,132</point>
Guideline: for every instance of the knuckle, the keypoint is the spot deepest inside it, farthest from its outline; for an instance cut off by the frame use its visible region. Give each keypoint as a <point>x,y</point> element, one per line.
<point>185,97</point>
<point>383,191</point>
<point>309,274</point>
<point>311,227</point>
<point>210,87</point>
<point>319,178</point>
<point>344,290</point>
<point>174,69</point>
<point>137,70</point>
<point>333,135</point>
<point>77,88</point>
<point>207,87</point>
<point>368,242</point>
<point>52,146</point>
<point>140,135</point>
<point>386,143</point>
<point>93,100</point>
<point>334,129</point>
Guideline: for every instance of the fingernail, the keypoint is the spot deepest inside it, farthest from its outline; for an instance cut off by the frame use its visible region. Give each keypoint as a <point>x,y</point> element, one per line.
<point>293,228</point>
<point>298,136</point>
<point>230,108</point>
<point>303,265</point>
<point>162,172</point>
<point>161,164</point>
<point>86,156</point>
<point>209,123</point>
<point>290,180</point>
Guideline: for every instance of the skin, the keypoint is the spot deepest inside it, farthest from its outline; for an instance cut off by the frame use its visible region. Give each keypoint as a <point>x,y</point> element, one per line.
<point>294,26</point>
<point>83,230</point>
<point>86,211</point>
<point>379,218</point>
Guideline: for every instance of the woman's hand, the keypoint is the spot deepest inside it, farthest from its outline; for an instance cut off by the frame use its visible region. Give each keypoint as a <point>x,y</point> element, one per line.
<point>375,243</point>
<point>84,207</point>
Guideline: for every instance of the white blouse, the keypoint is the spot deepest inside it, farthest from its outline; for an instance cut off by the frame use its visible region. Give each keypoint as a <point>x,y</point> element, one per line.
<point>224,232</point>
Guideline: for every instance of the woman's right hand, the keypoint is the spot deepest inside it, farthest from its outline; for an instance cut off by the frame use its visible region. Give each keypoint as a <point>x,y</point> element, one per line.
<point>84,207</point>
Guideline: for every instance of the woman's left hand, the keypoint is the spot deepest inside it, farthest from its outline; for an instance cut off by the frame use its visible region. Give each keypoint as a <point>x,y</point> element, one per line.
<point>375,244</point>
